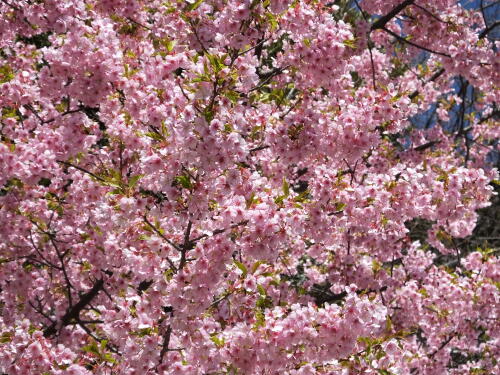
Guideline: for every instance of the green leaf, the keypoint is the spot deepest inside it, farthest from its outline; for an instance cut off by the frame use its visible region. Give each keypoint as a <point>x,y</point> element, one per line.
<point>242,267</point>
<point>9,112</point>
<point>108,358</point>
<point>53,206</point>
<point>388,324</point>
<point>279,200</point>
<point>423,292</point>
<point>92,348</point>
<point>302,197</point>
<point>128,72</point>
<point>376,266</point>
<point>260,319</point>
<point>85,237</point>
<point>39,40</point>
<point>252,200</point>
<point>339,206</point>
<point>208,114</point>
<point>256,265</point>
<point>273,21</point>
<point>215,62</point>
<point>261,290</point>
<point>6,73</point>
<point>6,337</point>
<point>368,341</point>
<point>155,136</point>
<point>445,238</point>
<point>217,341</point>
<point>286,188</point>
<point>380,354</point>
<point>164,129</point>
<point>164,42</point>
<point>232,95</point>
<point>132,181</point>
<point>264,302</point>
<point>144,332</point>
<point>351,43</point>
<point>170,45</point>
<point>184,181</point>
<point>193,6</point>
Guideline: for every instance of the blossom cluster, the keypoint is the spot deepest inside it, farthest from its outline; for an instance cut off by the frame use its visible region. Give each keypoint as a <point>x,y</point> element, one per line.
<point>232,187</point>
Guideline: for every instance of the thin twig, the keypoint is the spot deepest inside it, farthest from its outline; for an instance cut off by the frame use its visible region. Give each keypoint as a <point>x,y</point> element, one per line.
<point>400,38</point>
<point>446,342</point>
<point>429,13</point>
<point>435,76</point>
<point>171,243</point>
<point>369,46</point>
<point>82,170</point>
<point>219,231</point>
<point>486,31</point>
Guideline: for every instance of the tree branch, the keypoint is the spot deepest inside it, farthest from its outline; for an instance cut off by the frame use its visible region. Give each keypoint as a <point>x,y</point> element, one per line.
<point>435,76</point>
<point>166,342</point>
<point>81,170</point>
<point>486,31</point>
<point>446,342</point>
<point>382,21</point>
<point>74,312</point>
<point>400,38</point>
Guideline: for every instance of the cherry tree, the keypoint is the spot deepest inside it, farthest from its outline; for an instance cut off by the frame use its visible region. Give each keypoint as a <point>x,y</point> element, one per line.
<point>248,187</point>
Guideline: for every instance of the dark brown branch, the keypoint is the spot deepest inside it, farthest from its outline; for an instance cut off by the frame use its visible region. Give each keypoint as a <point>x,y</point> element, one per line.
<point>490,116</point>
<point>435,76</point>
<point>369,46</point>
<point>82,170</point>
<point>323,295</point>
<point>17,9</point>
<point>73,313</point>
<point>373,65</point>
<point>446,342</point>
<point>32,110</point>
<point>186,245</point>
<point>219,231</point>
<point>109,346</point>
<point>265,78</point>
<point>198,39</point>
<point>139,24</point>
<point>39,309</point>
<point>486,31</point>
<point>159,233</point>
<point>429,13</point>
<point>382,21</point>
<point>195,106</point>
<point>60,256</point>
<point>45,260</point>
<point>262,41</point>
<point>12,6</point>
<point>166,342</point>
<point>258,148</point>
<point>400,38</point>
<point>426,146</point>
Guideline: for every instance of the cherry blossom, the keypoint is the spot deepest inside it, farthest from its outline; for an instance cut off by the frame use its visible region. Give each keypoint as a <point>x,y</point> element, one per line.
<point>247,187</point>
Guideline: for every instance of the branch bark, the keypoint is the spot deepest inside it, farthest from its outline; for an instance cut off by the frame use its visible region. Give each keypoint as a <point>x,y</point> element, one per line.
<point>382,21</point>
<point>74,312</point>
